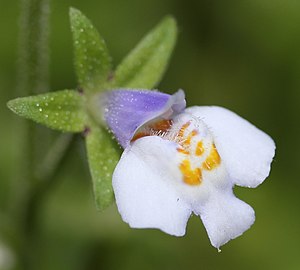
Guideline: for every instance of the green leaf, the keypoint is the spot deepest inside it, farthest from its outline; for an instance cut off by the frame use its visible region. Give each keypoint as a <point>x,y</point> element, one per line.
<point>92,60</point>
<point>61,110</point>
<point>103,155</point>
<point>146,64</point>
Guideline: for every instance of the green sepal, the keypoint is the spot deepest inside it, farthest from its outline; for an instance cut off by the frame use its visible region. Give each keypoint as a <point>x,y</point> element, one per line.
<point>103,155</point>
<point>62,110</point>
<point>147,62</point>
<point>91,58</point>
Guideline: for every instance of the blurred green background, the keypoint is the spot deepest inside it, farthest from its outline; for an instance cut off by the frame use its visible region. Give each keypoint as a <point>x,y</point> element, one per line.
<point>243,55</point>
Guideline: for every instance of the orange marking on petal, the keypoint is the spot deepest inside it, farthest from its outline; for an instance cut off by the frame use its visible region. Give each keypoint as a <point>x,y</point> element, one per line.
<point>187,141</point>
<point>139,135</point>
<point>190,177</point>
<point>199,149</point>
<point>213,160</point>
<point>162,125</point>
<point>183,128</point>
<point>183,151</point>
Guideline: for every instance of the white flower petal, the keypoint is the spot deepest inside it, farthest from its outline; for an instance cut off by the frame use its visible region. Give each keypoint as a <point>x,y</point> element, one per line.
<point>143,187</point>
<point>246,150</point>
<point>225,217</point>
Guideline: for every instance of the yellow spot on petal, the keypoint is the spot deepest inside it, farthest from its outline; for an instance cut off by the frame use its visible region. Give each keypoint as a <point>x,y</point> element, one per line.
<point>186,143</point>
<point>199,149</point>
<point>190,177</point>
<point>213,160</point>
<point>183,151</point>
<point>182,129</point>
<point>189,138</point>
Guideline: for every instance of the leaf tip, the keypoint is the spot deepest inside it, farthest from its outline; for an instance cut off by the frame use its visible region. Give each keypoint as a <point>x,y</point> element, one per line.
<point>103,202</point>
<point>100,206</point>
<point>170,19</point>
<point>76,17</point>
<point>169,22</point>
<point>73,12</point>
<point>11,104</point>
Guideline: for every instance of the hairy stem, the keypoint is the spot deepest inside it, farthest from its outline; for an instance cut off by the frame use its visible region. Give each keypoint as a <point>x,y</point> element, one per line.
<point>34,181</point>
<point>32,78</point>
<point>33,60</point>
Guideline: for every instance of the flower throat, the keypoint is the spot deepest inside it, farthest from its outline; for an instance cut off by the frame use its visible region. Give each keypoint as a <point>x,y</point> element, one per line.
<point>195,148</point>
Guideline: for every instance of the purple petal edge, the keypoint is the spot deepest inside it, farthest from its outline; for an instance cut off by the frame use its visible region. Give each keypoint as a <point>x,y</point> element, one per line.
<point>126,110</point>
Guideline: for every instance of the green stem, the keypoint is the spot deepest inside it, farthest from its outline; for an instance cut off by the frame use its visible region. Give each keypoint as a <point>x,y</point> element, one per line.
<point>33,78</point>
<point>33,64</point>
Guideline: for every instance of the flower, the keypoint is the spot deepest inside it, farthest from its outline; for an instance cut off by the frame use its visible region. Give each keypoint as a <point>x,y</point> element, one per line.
<point>180,161</point>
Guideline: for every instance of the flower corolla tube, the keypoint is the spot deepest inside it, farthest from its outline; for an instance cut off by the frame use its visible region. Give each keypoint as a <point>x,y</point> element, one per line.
<point>178,161</point>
